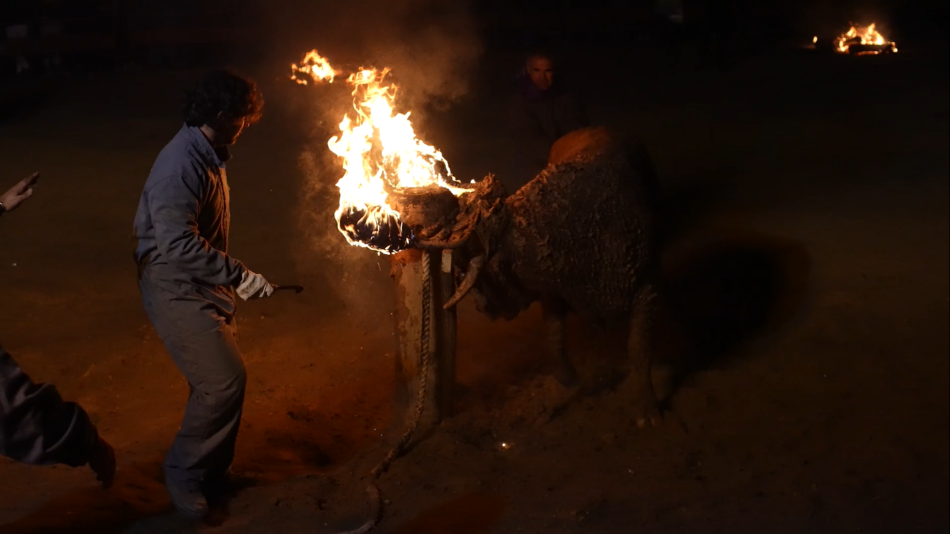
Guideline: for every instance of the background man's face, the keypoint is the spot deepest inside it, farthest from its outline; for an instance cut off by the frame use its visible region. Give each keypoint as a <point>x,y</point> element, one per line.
<point>541,72</point>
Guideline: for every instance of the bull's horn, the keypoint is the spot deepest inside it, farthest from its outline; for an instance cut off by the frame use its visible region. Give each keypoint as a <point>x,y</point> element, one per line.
<point>474,267</point>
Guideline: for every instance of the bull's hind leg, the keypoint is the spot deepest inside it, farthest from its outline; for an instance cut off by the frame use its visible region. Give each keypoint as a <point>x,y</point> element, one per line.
<point>640,347</point>
<point>555,314</point>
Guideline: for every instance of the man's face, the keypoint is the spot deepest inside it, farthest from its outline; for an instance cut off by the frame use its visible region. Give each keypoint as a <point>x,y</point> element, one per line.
<point>227,130</point>
<point>541,72</point>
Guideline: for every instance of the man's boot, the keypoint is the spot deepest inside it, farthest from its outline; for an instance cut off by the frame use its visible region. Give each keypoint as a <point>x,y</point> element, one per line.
<point>188,500</point>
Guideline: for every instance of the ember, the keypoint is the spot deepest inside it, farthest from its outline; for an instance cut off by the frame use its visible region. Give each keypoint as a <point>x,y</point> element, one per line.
<point>380,155</point>
<point>861,40</point>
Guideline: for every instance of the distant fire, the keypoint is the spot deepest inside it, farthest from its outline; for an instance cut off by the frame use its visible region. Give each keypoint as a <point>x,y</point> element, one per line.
<point>379,152</point>
<point>862,40</point>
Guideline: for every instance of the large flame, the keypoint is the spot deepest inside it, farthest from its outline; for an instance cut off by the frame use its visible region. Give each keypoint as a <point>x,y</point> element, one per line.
<point>379,152</point>
<point>864,35</point>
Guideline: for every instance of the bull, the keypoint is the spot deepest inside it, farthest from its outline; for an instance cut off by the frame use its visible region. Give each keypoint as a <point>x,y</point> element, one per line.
<point>578,238</point>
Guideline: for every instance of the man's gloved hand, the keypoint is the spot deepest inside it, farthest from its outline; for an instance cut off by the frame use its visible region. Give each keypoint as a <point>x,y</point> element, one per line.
<point>254,286</point>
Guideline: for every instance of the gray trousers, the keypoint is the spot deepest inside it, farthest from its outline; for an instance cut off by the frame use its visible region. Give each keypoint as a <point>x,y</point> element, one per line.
<point>201,340</point>
<point>36,426</point>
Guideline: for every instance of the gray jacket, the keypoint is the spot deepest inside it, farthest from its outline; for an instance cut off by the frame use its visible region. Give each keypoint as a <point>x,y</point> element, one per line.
<point>181,226</point>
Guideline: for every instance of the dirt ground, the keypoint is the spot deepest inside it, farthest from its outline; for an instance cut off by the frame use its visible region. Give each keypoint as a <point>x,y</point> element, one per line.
<point>804,345</point>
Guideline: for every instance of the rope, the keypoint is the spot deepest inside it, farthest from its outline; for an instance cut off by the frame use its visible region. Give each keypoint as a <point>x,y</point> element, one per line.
<point>372,489</point>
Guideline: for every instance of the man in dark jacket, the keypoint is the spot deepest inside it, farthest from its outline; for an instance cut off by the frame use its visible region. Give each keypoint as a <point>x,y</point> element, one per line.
<point>540,112</point>
<point>36,426</point>
<point>188,281</point>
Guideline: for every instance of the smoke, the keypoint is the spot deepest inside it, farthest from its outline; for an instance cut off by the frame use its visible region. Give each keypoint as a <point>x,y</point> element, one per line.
<point>358,277</point>
<point>431,47</point>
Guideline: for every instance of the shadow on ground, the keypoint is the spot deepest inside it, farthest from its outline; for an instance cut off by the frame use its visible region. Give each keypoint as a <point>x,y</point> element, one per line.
<point>722,292</point>
<point>719,295</point>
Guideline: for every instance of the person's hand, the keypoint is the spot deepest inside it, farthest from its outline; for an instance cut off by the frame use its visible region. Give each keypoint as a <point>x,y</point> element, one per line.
<point>254,286</point>
<point>18,193</point>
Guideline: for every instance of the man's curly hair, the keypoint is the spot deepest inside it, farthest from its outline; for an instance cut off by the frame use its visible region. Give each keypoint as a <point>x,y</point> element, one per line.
<point>224,92</point>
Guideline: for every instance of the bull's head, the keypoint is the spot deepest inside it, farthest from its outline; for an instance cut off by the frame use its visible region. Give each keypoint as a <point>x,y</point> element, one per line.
<point>483,262</point>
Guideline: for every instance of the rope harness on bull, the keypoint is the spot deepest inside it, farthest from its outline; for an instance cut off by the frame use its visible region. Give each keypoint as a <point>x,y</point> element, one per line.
<point>375,496</point>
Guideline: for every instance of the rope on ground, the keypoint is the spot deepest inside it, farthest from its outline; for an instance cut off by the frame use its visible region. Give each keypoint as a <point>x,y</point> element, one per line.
<point>372,489</point>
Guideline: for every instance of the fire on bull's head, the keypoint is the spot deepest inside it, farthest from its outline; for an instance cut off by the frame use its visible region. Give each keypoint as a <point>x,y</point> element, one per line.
<point>381,156</point>
<point>398,192</point>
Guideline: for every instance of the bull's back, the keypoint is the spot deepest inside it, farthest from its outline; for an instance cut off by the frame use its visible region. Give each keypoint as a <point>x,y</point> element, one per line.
<point>586,142</point>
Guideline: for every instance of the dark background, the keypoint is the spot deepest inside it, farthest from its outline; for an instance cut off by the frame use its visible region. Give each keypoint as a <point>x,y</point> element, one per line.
<point>137,31</point>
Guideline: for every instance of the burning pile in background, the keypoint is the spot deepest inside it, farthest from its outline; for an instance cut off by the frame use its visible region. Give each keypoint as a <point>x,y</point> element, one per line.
<point>861,40</point>
<point>379,152</point>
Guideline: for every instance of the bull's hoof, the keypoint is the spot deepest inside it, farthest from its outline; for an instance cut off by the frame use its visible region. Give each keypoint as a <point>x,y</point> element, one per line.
<point>648,414</point>
<point>566,376</point>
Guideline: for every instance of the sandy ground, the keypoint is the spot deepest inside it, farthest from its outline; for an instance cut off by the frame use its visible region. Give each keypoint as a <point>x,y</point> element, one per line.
<point>804,347</point>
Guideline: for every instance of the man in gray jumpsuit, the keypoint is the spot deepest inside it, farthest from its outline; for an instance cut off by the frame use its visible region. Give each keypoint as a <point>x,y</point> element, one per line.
<point>36,426</point>
<point>188,281</point>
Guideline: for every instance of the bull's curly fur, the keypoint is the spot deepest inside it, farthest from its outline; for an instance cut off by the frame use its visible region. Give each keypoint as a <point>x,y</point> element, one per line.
<point>581,231</point>
<point>578,237</point>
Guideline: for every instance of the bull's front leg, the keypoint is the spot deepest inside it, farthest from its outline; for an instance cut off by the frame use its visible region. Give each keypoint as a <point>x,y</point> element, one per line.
<point>555,314</point>
<point>640,347</point>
